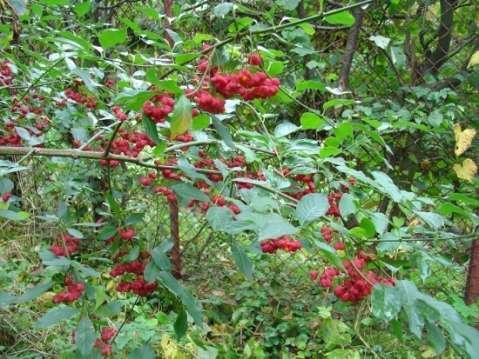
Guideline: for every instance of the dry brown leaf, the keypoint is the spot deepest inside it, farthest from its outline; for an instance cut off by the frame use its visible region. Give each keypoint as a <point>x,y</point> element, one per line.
<point>467,170</point>
<point>463,139</point>
<point>474,60</point>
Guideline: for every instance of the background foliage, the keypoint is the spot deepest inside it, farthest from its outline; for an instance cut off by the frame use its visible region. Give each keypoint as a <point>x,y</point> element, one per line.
<point>371,133</point>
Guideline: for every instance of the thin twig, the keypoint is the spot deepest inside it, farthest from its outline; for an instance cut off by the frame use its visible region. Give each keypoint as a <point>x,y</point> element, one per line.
<point>113,135</point>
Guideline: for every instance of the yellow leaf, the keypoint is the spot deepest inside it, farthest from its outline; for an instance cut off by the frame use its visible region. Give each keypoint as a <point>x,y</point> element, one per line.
<point>467,170</point>
<point>463,139</point>
<point>474,59</point>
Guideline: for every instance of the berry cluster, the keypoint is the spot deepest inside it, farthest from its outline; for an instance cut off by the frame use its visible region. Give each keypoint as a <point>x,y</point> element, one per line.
<point>147,180</point>
<point>127,143</point>
<point>66,246</point>
<point>137,286</point>
<point>5,196</point>
<point>6,73</point>
<point>255,59</point>
<point>186,137</point>
<point>356,284</point>
<point>167,192</point>
<point>159,107</point>
<point>119,114</point>
<point>243,83</point>
<point>127,233</point>
<point>73,291</point>
<point>206,162</point>
<point>88,101</point>
<point>207,102</point>
<point>135,267</point>
<point>169,173</point>
<point>247,85</point>
<point>220,201</point>
<point>251,175</point>
<point>103,343</point>
<point>308,180</point>
<point>333,199</point>
<point>284,243</point>
<point>327,233</point>
<point>130,143</point>
<point>11,139</point>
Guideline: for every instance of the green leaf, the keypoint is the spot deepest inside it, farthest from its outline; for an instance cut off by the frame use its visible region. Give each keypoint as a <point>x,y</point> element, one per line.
<point>107,232</point>
<point>221,10</point>
<point>385,302</point>
<point>14,216</point>
<point>219,218</point>
<point>304,85</point>
<point>151,130</point>
<point>56,315</point>
<point>134,100</point>
<point>100,297</point>
<point>6,299</point>
<point>114,205</point>
<point>181,324</point>
<point>224,133</point>
<point>110,309</point>
<point>200,122</point>
<point>422,310</point>
<point>434,220</point>
<point>330,253</point>
<point>380,221</point>
<point>111,37</point>
<point>288,4</point>
<point>275,68</point>
<point>151,271</point>
<point>284,129</point>
<point>85,336</point>
<point>82,9</point>
<point>242,260</point>
<point>134,218</point>
<point>435,337</point>
<point>344,130</point>
<point>75,233</point>
<point>144,352</point>
<point>132,255</point>
<point>272,226</point>
<point>181,119</point>
<point>183,59</point>
<point>161,258</point>
<point>346,205</point>
<point>190,303</point>
<point>55,2</point>
<point>311,207</point>
<point>34,292</point>
<point>337,103</point>
<point>341,18</point>
<point>312,121</point>
<point>186,192</point>
<point>329,151</point>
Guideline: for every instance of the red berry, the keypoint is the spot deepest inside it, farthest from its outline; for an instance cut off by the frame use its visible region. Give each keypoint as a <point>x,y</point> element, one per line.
<point>255,59</point>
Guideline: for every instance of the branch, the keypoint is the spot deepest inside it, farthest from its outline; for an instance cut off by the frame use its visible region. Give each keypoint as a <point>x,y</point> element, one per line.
<point>438,57</point>
<point>112,138</point>
<point>93,155</point>
<point>351,45</point>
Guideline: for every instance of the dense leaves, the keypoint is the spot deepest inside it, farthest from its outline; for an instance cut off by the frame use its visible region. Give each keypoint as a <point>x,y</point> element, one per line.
<point>218,179</point>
